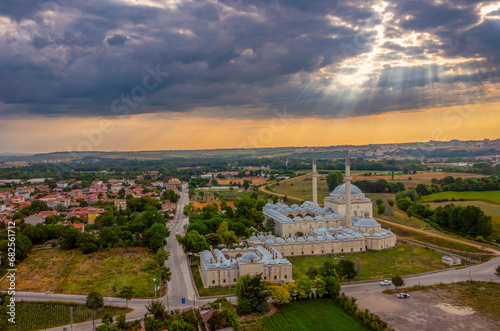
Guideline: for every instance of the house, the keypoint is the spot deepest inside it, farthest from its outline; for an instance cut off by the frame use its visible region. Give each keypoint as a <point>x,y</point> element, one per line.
<point>18,199</point>
<point>451,260</point>
<point>92,198</point>
<point>168,206</point>
<point>91,214</point>
<point>77,194</point>
<point>34,219</point>
<point>79,226</point>
<point>157,184</point>
<point>121,204</point>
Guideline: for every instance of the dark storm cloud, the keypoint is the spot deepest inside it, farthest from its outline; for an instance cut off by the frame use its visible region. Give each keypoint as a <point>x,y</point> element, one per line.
<point>75,58</point>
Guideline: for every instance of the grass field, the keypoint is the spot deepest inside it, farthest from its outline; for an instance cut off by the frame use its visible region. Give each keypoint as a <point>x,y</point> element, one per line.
<point>301,187</point>
<point>310,315</point>
<point>41,315</point>
<point>487,196</point>
<point>407,258</point>
<point>72,272</point>
<point>217,290</point>
<point>254,180</point>
<point>483,297</point>
<point>488,207</point>
<point>216,195</point>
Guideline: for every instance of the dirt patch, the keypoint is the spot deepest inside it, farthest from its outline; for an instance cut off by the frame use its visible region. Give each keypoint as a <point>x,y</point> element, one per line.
<point>254,180</point>
<point>424,311</point>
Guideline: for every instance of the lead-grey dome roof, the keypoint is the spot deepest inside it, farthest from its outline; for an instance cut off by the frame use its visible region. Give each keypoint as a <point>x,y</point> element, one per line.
<point>340,190</point>
<point>366,222</point>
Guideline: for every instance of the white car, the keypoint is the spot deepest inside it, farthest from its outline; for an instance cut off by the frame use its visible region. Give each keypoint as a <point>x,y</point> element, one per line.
<point>403,295</point>
<point>385,282</point>
<point>176,234</point>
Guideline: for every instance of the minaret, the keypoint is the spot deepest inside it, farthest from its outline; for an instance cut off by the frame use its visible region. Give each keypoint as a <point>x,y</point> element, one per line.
<point>347,180</point>
<point>315,182</point>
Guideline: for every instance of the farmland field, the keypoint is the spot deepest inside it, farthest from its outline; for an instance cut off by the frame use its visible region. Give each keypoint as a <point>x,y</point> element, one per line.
<point>421,177</point>
<point>487,196</point>
<point>308,315</point>
<point>254,180</point>
<point>406,258</point>
<point>72,272</point>
<point>41,315</point>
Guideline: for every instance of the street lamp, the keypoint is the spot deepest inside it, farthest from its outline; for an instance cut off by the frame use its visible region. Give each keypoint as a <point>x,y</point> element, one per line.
<point>154,280</point>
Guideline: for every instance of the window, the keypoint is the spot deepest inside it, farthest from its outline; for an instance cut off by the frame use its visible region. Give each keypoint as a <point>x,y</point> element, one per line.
<point>322,252</point>
<point>213,281</point>
<point>312,252</point>
<point>332,250</point>
<point>361,248</point>
<point>274,277</point>
<point>352,249</point>
<point>302,252</point>
<point>292,253</point>
<point>265,277</point>
<point>342,250</point>
<point>235,280</point>
<point>285,276</point>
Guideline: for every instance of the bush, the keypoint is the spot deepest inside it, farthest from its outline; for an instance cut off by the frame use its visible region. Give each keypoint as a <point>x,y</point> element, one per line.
<point>390,202</point>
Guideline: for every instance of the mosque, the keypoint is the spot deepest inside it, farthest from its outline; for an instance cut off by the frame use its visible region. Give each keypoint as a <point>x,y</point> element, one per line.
<point>343,225</point>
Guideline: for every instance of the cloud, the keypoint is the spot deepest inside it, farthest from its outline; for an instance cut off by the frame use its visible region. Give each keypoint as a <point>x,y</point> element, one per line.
<point>240,59</point>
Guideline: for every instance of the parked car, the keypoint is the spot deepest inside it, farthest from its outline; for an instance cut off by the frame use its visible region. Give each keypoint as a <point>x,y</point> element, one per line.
<point>176,234</point>
<point>403,295</point>
<point>385,282</point>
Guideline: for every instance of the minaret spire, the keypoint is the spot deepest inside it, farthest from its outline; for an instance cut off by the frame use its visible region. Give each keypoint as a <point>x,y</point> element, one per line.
<point>314,180</point>
<point>347,179</point>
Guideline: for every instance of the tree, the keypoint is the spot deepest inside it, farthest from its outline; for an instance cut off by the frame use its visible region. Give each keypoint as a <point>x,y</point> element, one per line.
<point>246,184</point>
<point>107,318</point>
<point>193,242</point>
<point>156,308</point>
<point>357,266</point>
<point>312,272</point>
<point>390,202</point>
<point>380,209</point>
<point>94,302</point>
<point>304,288</point>
<point>279,292</point>
<point>398,281</point>
<point>320,286</point>
<point>228,238</point>
<point>251,294</point>
<point>497,271</point>
<point>215,182</point>
<point>68,239</point>
<point>347,269</point>
<point>126,293</point>
<point>332,286</point>
<point>155,236</point>
<point>334,179</point>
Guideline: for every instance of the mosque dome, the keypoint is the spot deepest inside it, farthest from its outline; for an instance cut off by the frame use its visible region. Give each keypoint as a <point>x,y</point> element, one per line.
<point>368,222</point>
<point>247,257</point>
<point>340,190</point>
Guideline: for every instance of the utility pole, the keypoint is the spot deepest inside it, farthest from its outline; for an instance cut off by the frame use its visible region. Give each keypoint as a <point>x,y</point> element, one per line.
<point>154,280</point>
<point>71,317</point>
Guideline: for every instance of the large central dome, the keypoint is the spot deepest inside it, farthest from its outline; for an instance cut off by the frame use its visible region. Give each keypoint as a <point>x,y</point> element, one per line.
<point>340,190</point>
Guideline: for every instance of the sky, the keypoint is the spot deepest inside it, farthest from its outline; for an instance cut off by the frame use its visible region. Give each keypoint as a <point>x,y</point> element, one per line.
<point>163,74</point>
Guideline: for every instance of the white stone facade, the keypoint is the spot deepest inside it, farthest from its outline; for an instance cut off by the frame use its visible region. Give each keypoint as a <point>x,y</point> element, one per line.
<point>224,267</point>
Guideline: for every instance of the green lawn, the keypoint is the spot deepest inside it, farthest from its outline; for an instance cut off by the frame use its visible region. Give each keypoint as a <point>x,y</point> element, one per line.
<point>488,207</point>
<point>41,315</point>
<point>488,196</point>
<point>310,315</point>
<point>301,187</point>
<point>408,258</point>
<point>216,290</point>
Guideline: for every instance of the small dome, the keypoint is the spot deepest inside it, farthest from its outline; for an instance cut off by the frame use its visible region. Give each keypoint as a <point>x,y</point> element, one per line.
<point>301,239</point>
<point>294,205</point>
<point>269,241</point>
<point>340,236</point>
<point>367,222</point>
<point>329,237</point>
<point>308,218</point>
<point>249,256</point>
<point>366,234</point>
<point>280,240</point>
<point>224,250</point>
<point>340,228</point>
<point>252,238</point>
<point>261,237</point>
<point>290,240</point>
<point>288,210</point>
<point>237,249</point>
<point>297,218</point>
<point>270,236</point>
<point>340,190</point>
<point>320,238</point>
<point>212,266</point>
<point>310,238</point>
<point>318,217</point>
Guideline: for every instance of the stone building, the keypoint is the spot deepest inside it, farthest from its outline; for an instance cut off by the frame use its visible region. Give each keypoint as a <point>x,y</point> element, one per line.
<point>224,267</point>
<point>343,225</point>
